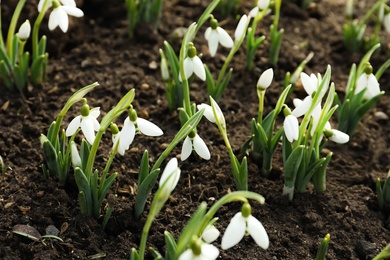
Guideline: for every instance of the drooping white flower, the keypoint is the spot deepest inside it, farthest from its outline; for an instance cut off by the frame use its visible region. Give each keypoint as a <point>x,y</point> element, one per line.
<point>209,114</point>
<point>241,28</point>
<point>194,143</point>
<point>369,83</point>
<point>215,35</point>
<point>386,22</point>
<point>171,175</point>
<point>335,135</point>
<point>239,226</point>
<point>24,31</point>
<point>291,128</point>
<point>133,125</point>
<point>310,84</point>
<point>203,252</point>
<point>265,79</point>
<point>192,64</point>
<point>87,122</point>
<point>261,5</point>
<point>59,16</point>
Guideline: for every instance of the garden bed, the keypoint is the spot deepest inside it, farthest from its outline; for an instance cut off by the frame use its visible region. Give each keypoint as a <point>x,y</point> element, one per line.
<point>97,48</point>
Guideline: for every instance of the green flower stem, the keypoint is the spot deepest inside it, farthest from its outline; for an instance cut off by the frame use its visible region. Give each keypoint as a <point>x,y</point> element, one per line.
<point>12,26</point>
<point>261,95</point>
<point>370,12</point>
<point>35,32</point>
<point>92,154</point>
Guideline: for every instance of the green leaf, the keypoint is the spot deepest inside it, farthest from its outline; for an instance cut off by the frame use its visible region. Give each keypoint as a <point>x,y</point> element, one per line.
<point>85,199</point>
<point>291,166</point>
<point>84,153</point>
<point>222,86</point>
<point>144,167</point>
<point>106,186</point>
<point>6,75</point>
<point>144,189</point>
<point>211,89</point>
<point>386,192</point>
<point>323,248</point>
<point>379,193</point>
<point>171,246</point>
<point>156,255</point>
<point>50,155</point>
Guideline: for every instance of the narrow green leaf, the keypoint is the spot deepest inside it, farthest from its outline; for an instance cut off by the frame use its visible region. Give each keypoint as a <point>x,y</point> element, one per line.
<point>83,185</point>
<point>171,246</point>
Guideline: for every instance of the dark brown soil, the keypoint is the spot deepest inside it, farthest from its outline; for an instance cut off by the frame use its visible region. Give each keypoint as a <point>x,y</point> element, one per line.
<point>97,48</point>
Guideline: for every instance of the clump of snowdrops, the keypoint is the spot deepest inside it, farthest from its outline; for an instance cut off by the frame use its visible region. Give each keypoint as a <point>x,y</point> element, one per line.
<point>16,65</point>
<point>61,150</point>
<point>354,30</point>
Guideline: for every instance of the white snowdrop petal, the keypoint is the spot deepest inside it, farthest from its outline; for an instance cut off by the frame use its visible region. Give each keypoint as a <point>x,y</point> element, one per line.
<point>127,134</point>
<point>88,129</point>
<point>262,4</point>
<point>210,234</point>
<point>361,83</point>
<point>53,20</point>
<point>209,252</point>
<point>148,128</point>
<point>207,33</point>
<point>186,149</point>
<point>200,147</point>
<point>372,87</point>
<point>291,128</point>
<point>253,12</point>
<point>73,11</point>
<point>62,19</point>
<point>95,112</point>
<point>213,43</point>
<point>308,83</point>
<point>234,232</point>
<point>303,107</point>
<point>218,111</point>
<point>199,68</point>
<point>73,126</point>
<point>297,102</point>
<point>188,67</point>
<point>240,30</point>
<point>186,255</point>
<point>257,232</point>
<point>265,79</point>
<point>339,137</point>
<point>208,112</point>
<point>96,124</point>
<point>386,22</point>
<point>224,38</point>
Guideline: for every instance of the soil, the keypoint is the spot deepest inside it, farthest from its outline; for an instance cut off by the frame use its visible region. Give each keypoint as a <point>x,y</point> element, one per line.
<point>97,48</point>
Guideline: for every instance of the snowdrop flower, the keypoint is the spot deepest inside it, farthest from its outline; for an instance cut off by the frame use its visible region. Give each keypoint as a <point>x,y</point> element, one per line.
<point>201,248</point>
<point>291,128</point>
<point>193,64</point>
<point>368,82</point>
<point>59,15</point>
<point>171,175</point>
<point>194,142</point>
<point>265,79</point>
<point>214,35</point>
<point>76,160</point>
<point>386,22</point>
<point>116,137</point>
<point>241,28</point>
<point>310,84</point>
<point>261,5</point>
<point>244,223</point>
<point>200,251</point>
<point>24,31</point>
<point>132,126</point>
<point>335,135</point>
<point>209,114</point>
<point>86,121</point>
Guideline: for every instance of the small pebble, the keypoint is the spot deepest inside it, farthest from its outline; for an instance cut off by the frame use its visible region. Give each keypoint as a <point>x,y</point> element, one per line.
<point>381,116</point>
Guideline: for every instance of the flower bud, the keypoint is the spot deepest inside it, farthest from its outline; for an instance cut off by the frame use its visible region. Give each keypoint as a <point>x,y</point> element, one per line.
<point>265,79</point>
<point>24,31</point>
